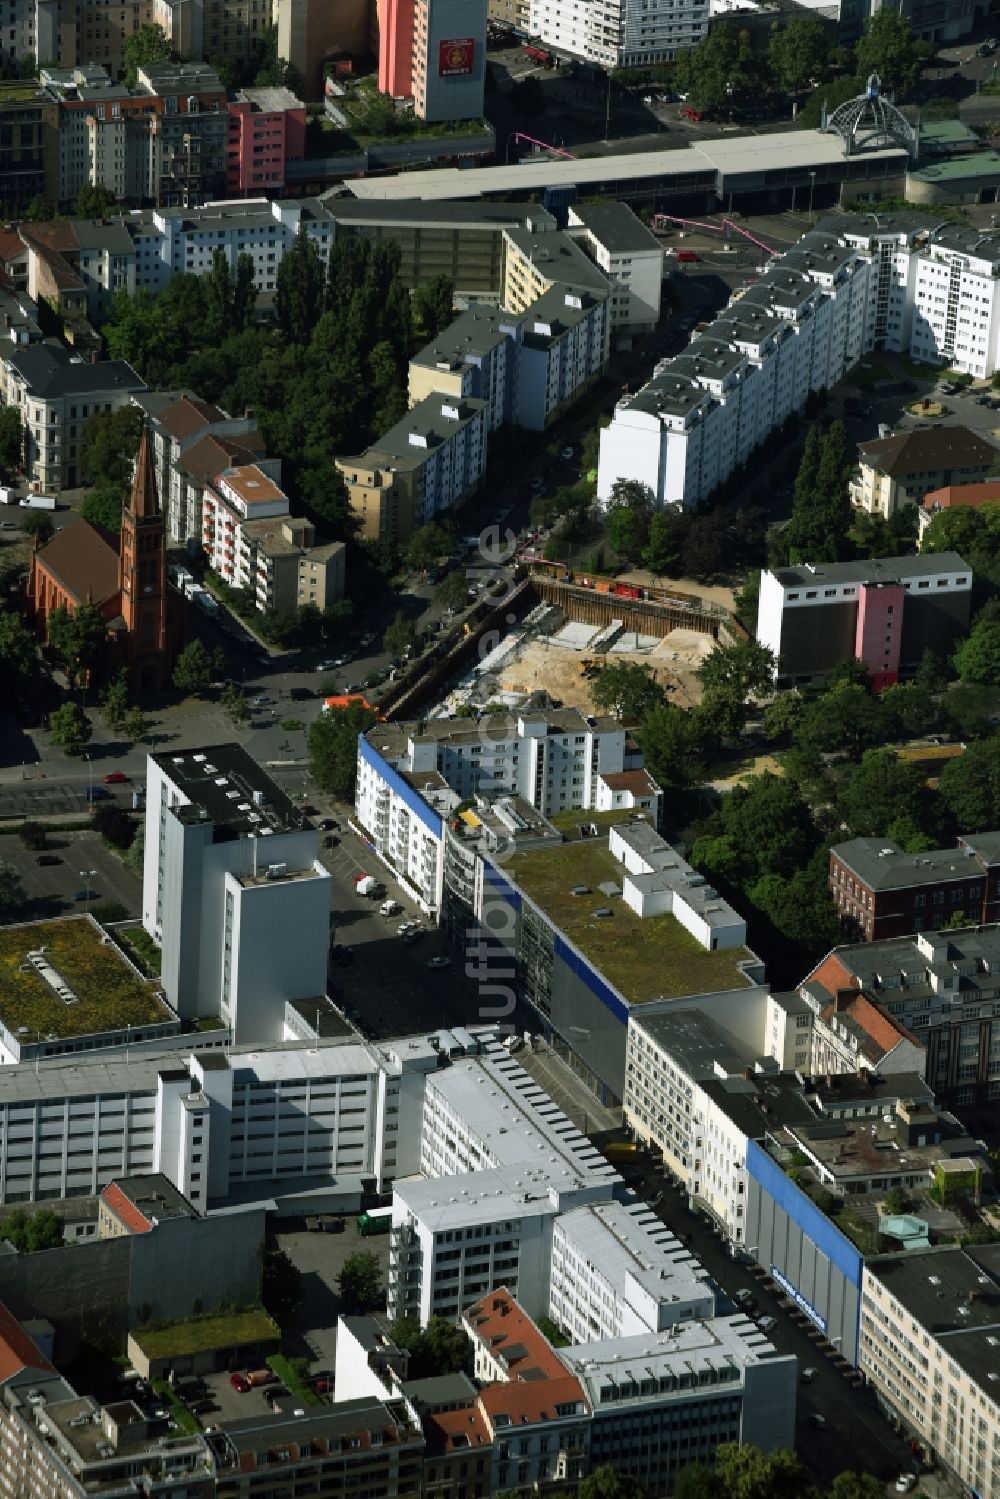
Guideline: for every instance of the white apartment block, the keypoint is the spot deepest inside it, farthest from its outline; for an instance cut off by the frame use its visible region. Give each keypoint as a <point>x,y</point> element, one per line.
<point>56,392</point>
<point>929,1348</point>
<point>411,776</point>
<point>617,1271</point>
<point>214,1121</point>
<point>620,33</point>
<point>798,329</point>
<point>630,256</point>
<point>230,869</point>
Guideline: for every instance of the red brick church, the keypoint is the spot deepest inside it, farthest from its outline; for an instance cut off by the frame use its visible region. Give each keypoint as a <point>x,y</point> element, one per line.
<point>128,584</point>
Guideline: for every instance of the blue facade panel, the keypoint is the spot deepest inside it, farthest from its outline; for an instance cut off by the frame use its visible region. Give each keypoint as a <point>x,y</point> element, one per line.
<point>591,979</point>
<point>410,798</point>
<point>500,885</point>
<point>804,1213</point>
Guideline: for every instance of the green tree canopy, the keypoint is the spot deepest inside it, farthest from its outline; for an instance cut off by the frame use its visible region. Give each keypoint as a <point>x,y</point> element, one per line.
<point>11,438</point>
<point>38,523</point>
<point>147,45</point>
<point>628,515</point>
<point>977,658</point>
<point>882,788</point>
<point>799,51</point>
<point>18,652</point>
<point>433,304</point>
<point>730,676</point>
<point>453,590</point>
<point>723,71</point>
<point>439,1348</point>
<point>193,669</point>
<point>969,786</point>
<point>110,444</point>
<point>93,201</point>
<point>360,1281</point>
<point>12,896</point>
<point>70,728</point>
<point>888,48</point>
<point>671,745</point>
<point>400,635</point>
<point>333,748</point>
<point>626,689</point>
<point>78,638</point>
<point>30,1231</point>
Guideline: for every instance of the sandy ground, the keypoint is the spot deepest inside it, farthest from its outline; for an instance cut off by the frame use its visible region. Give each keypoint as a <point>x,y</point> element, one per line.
<point>711,593</point>
<point>674,660</point>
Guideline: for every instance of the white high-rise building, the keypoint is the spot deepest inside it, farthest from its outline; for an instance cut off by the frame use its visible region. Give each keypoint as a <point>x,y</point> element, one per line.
<point>620,33</point>
<point>230,871</point>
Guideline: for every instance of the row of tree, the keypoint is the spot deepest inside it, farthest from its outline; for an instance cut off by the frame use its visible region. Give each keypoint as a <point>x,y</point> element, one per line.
<point>729,71</point>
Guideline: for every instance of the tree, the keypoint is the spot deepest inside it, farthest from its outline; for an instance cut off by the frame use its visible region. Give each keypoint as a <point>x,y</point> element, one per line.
<point>739,671</point>
<point>333,748</point>
<point>662,552</point>
<point>218,296</point>
<point>135,854</point>
<point>427,546</point>
<point>627,517</point>
<point>33,835</point>
<point>607,1482</point>
<point>453,590</point>
<point>864,1485</point>
<point>110,445</point>
<point>888,49</point>
<point>764,826</point>
<point>845,717</point>
<point>969,786</point>
<point>881,789</point>
<point>12,896</point>
<point>821,508</point>
<point>102,507</point>
<point>193,669</point>
<point>38,525</point>
<point>671,745</point>
<point>30,1231</point>
<point>244,293</point>
<point>799,906</point>
<point>399,635</point>
<point>11,438</point>
<point>114,702</point>
<point>114,824</point>
<point>18,651</point>
<point>747,602</point>
<point>977,658</point>
<point>93,201</point>
<point>744,1472</point>
<point>234,704</point>
<point>147,45</point>
<point>626,689</point>
<point>799,52</point>
<point>136,725</point>
<point>70,728</point>
<point>360,1280</point>
<point>298,293</point>
<point>723,71</point>
<point>440,1348</point>
<point>696,1481</point>
<point>281,1285</point>
<point>433,304</point>
<point>77,638</point>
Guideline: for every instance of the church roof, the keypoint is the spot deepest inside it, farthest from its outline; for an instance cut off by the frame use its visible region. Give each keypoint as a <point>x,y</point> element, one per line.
<point>82,562</point>
<point>143,501</point>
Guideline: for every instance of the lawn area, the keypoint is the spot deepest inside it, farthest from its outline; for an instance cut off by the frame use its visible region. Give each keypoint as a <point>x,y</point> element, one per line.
<point>292,1380</point>
<point>643,959</point>
<point>201,1334</point>
<point>105,992</point>
<point>869,372</point>
<point>140,947</point>
<point>178,1410</point>
<point>568,821</point>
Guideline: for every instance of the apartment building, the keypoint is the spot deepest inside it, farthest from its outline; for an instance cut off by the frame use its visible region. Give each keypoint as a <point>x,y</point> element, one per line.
<point>163,141</point>
<point>193,443</point>
<point>903,469</point>
<point>266,130</point>
<point>616,1271</point>
<point>29,124</point>
<point>884,613</point>
<point>943,988</point>
<point>171,240</point>
<point>430,461</point>
<point>972,495</point>
<point>880,891</point>
<point>528,367</point>
<point>620,33</point>
<point>230,863</point>
<point>928,1348</point>
<point>310,31</point>
<point>798,329</point>
<point>412,776</point>
<point>80,266</point>
<point>434,52</point>
<point>630,256</point>
<point>534,262</point>
<point>56,392</point>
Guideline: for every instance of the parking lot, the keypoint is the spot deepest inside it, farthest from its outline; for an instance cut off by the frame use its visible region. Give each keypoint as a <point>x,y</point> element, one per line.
<point>319,1259</point>
<point>51,888</point>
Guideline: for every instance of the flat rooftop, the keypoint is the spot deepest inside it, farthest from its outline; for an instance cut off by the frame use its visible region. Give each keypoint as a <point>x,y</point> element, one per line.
<point>615,226</point>
<point>645,959</point>
<point>433,421</point>
<point>632,1241</point>
<point>955,1295</point>
<point>197,1334</point>
<point>618,1368</point>
<point>442,1203</point>
<point>883,865</point>
<point>61,979</point>
<point>694,1042</point>
<point>558,257</point>
<point>878,570</point>
<point>232,790</point>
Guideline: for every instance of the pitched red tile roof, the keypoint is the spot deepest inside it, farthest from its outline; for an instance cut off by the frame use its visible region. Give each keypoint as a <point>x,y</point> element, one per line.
<point>456,1431</point>
<point>878,1023</point>
<point>125,1209</point>
<point>188,415</point>
<point>832,974</point>
<point>18,1351</point>
<point>974,495</point>
<point>639,782</point>
<point>211,456</point>
<point>507,1331</point>
<point>525,1401</point>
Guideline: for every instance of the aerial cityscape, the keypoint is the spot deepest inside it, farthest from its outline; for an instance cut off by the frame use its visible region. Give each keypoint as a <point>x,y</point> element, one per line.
<point>499,749</point>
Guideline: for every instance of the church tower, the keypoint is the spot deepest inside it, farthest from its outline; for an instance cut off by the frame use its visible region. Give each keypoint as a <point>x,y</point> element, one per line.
<point>143,579</point>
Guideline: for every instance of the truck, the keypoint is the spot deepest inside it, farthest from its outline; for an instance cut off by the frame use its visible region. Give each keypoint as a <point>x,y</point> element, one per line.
<point>204,601</point>
<point>365,884</point>
<point>374,1221</point>
<point>389,907</point>
<point>39,502</point>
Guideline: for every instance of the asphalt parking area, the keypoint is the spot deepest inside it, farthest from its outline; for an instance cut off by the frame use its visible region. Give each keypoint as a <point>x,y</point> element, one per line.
<point>51,888</point>
<point>319,1259</point>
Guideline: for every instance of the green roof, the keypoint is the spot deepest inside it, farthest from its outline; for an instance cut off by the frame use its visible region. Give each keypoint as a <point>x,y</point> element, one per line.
<point>108,993</point>
<point>201,1334</point>
<point>958,168</point>
<point>644,958</point>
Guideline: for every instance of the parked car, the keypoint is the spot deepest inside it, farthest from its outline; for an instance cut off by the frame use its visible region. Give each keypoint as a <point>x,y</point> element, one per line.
<point>116,778</point>
<point>688,256</point>
<point>328,825</point>
<point>817,1418</point>
<point>84,895</point>
<point>808,1375</point>
<point>439,962</point>
<point>766,1323</point>
<point>240,1383</point>
<point>276,1392</point>
<point>46,859</point>
<point>567,453</point>
<point>905,1482</point>
<point>300,694</point>
<point>328,665</point>
<point>322,1383</point>
<point>98,794</point>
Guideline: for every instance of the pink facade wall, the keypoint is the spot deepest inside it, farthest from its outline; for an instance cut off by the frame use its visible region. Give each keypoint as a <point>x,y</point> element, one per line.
<point>879,631</point>
<point>395,47</point>
<point>260,143</point>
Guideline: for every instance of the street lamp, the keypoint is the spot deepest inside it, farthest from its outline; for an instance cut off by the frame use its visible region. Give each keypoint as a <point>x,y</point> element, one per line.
<point>90,776</point>
<point>88,875</point>
<point>812,185</point>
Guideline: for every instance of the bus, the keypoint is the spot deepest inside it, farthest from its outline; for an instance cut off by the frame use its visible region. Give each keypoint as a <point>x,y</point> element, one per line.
<point>621,1150</point>
<point>375,1221</point>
